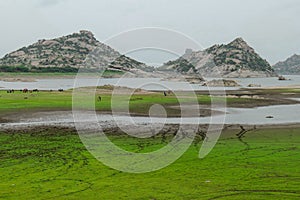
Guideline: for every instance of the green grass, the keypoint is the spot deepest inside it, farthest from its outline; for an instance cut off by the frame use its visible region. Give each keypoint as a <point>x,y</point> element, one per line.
<point>19,101</point>
<point>108,73</point>
<point>53,164</point>
<point>42,100</point>
<point>139,103</point>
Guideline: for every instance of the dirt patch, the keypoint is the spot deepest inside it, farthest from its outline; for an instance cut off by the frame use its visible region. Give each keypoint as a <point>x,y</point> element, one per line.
<point>2,120</point>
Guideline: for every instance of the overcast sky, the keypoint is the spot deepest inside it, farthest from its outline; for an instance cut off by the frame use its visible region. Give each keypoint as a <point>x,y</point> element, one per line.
<point>270,26</point>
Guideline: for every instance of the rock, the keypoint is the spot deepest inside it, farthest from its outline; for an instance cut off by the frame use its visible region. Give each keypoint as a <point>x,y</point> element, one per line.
<point>281,78</point>
<point>254,85</point>
<point>77,50</point>
<point>221,83</point>
<point>290,66</point>
<point>194,79</point>
<point>234,60</point>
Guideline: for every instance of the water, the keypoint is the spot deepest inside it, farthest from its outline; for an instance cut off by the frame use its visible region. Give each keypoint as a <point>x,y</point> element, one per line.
<point>282,114</point>
<point>270,82</point>
<point>253,116</point>
<point>153,83</point>
<point>296,99</point>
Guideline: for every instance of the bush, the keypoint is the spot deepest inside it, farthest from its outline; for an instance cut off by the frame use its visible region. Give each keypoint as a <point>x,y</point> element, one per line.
<point>13,69</point>
<point>38,69</point>
<point>53,69</point>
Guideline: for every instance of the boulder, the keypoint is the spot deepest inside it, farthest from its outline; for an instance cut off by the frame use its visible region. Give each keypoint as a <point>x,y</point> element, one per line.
<point>222,83</point>
<point>254,85</point>
<point>281,78</point>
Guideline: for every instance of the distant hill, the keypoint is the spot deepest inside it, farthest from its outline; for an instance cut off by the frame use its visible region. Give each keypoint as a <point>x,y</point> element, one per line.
<point>289,66</point>
<point>70,51</point>
<point>236,59</point>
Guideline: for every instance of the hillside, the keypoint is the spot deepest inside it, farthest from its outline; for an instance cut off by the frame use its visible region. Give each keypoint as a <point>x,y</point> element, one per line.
<point>78,50</point>
<point>289,66</point>
<point>236,59</point>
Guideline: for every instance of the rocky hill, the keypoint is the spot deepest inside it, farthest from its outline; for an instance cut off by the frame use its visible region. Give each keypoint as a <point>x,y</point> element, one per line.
<point>236,59</point>
<point>289,66</point>
<point>78,50</point>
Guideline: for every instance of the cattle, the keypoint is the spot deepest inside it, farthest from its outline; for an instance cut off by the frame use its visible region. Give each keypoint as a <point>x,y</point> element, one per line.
<point>60,90</point>
<point>10,91</point>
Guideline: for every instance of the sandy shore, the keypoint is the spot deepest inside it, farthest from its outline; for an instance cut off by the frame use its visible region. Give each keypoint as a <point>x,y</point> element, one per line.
<point>18,79</point>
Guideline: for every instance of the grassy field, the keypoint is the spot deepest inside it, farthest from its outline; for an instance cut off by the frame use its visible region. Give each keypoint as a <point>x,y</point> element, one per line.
<point>49,163</point>
<point>139,103</point>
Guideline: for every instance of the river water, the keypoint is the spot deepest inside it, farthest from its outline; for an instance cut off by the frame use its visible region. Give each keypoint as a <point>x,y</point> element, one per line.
<point>144,83</point>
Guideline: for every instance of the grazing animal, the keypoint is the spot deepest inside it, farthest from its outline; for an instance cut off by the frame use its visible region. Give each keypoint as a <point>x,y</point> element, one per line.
<point>25,90</point>
<point>10,91</point>
<point>99,98</point>
<point>60,90</point>
<point>165,94</point>
<point>35,90</point>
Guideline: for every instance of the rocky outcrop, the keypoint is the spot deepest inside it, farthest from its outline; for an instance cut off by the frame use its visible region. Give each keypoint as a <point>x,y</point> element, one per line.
<point>289,66</point>
<point>282,78</point>
<point>236,59</point>
<point>221,83</point>
<point>254,85</point>
<point>78,50</point>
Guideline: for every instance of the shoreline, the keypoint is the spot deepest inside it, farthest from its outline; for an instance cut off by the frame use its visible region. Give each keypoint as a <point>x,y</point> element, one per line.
<point>167,128</point>
<point>239,98</point>
<point>65,119</point>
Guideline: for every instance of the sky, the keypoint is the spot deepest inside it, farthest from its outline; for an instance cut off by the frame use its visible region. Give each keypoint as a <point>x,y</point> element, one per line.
<point>270,26</point>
